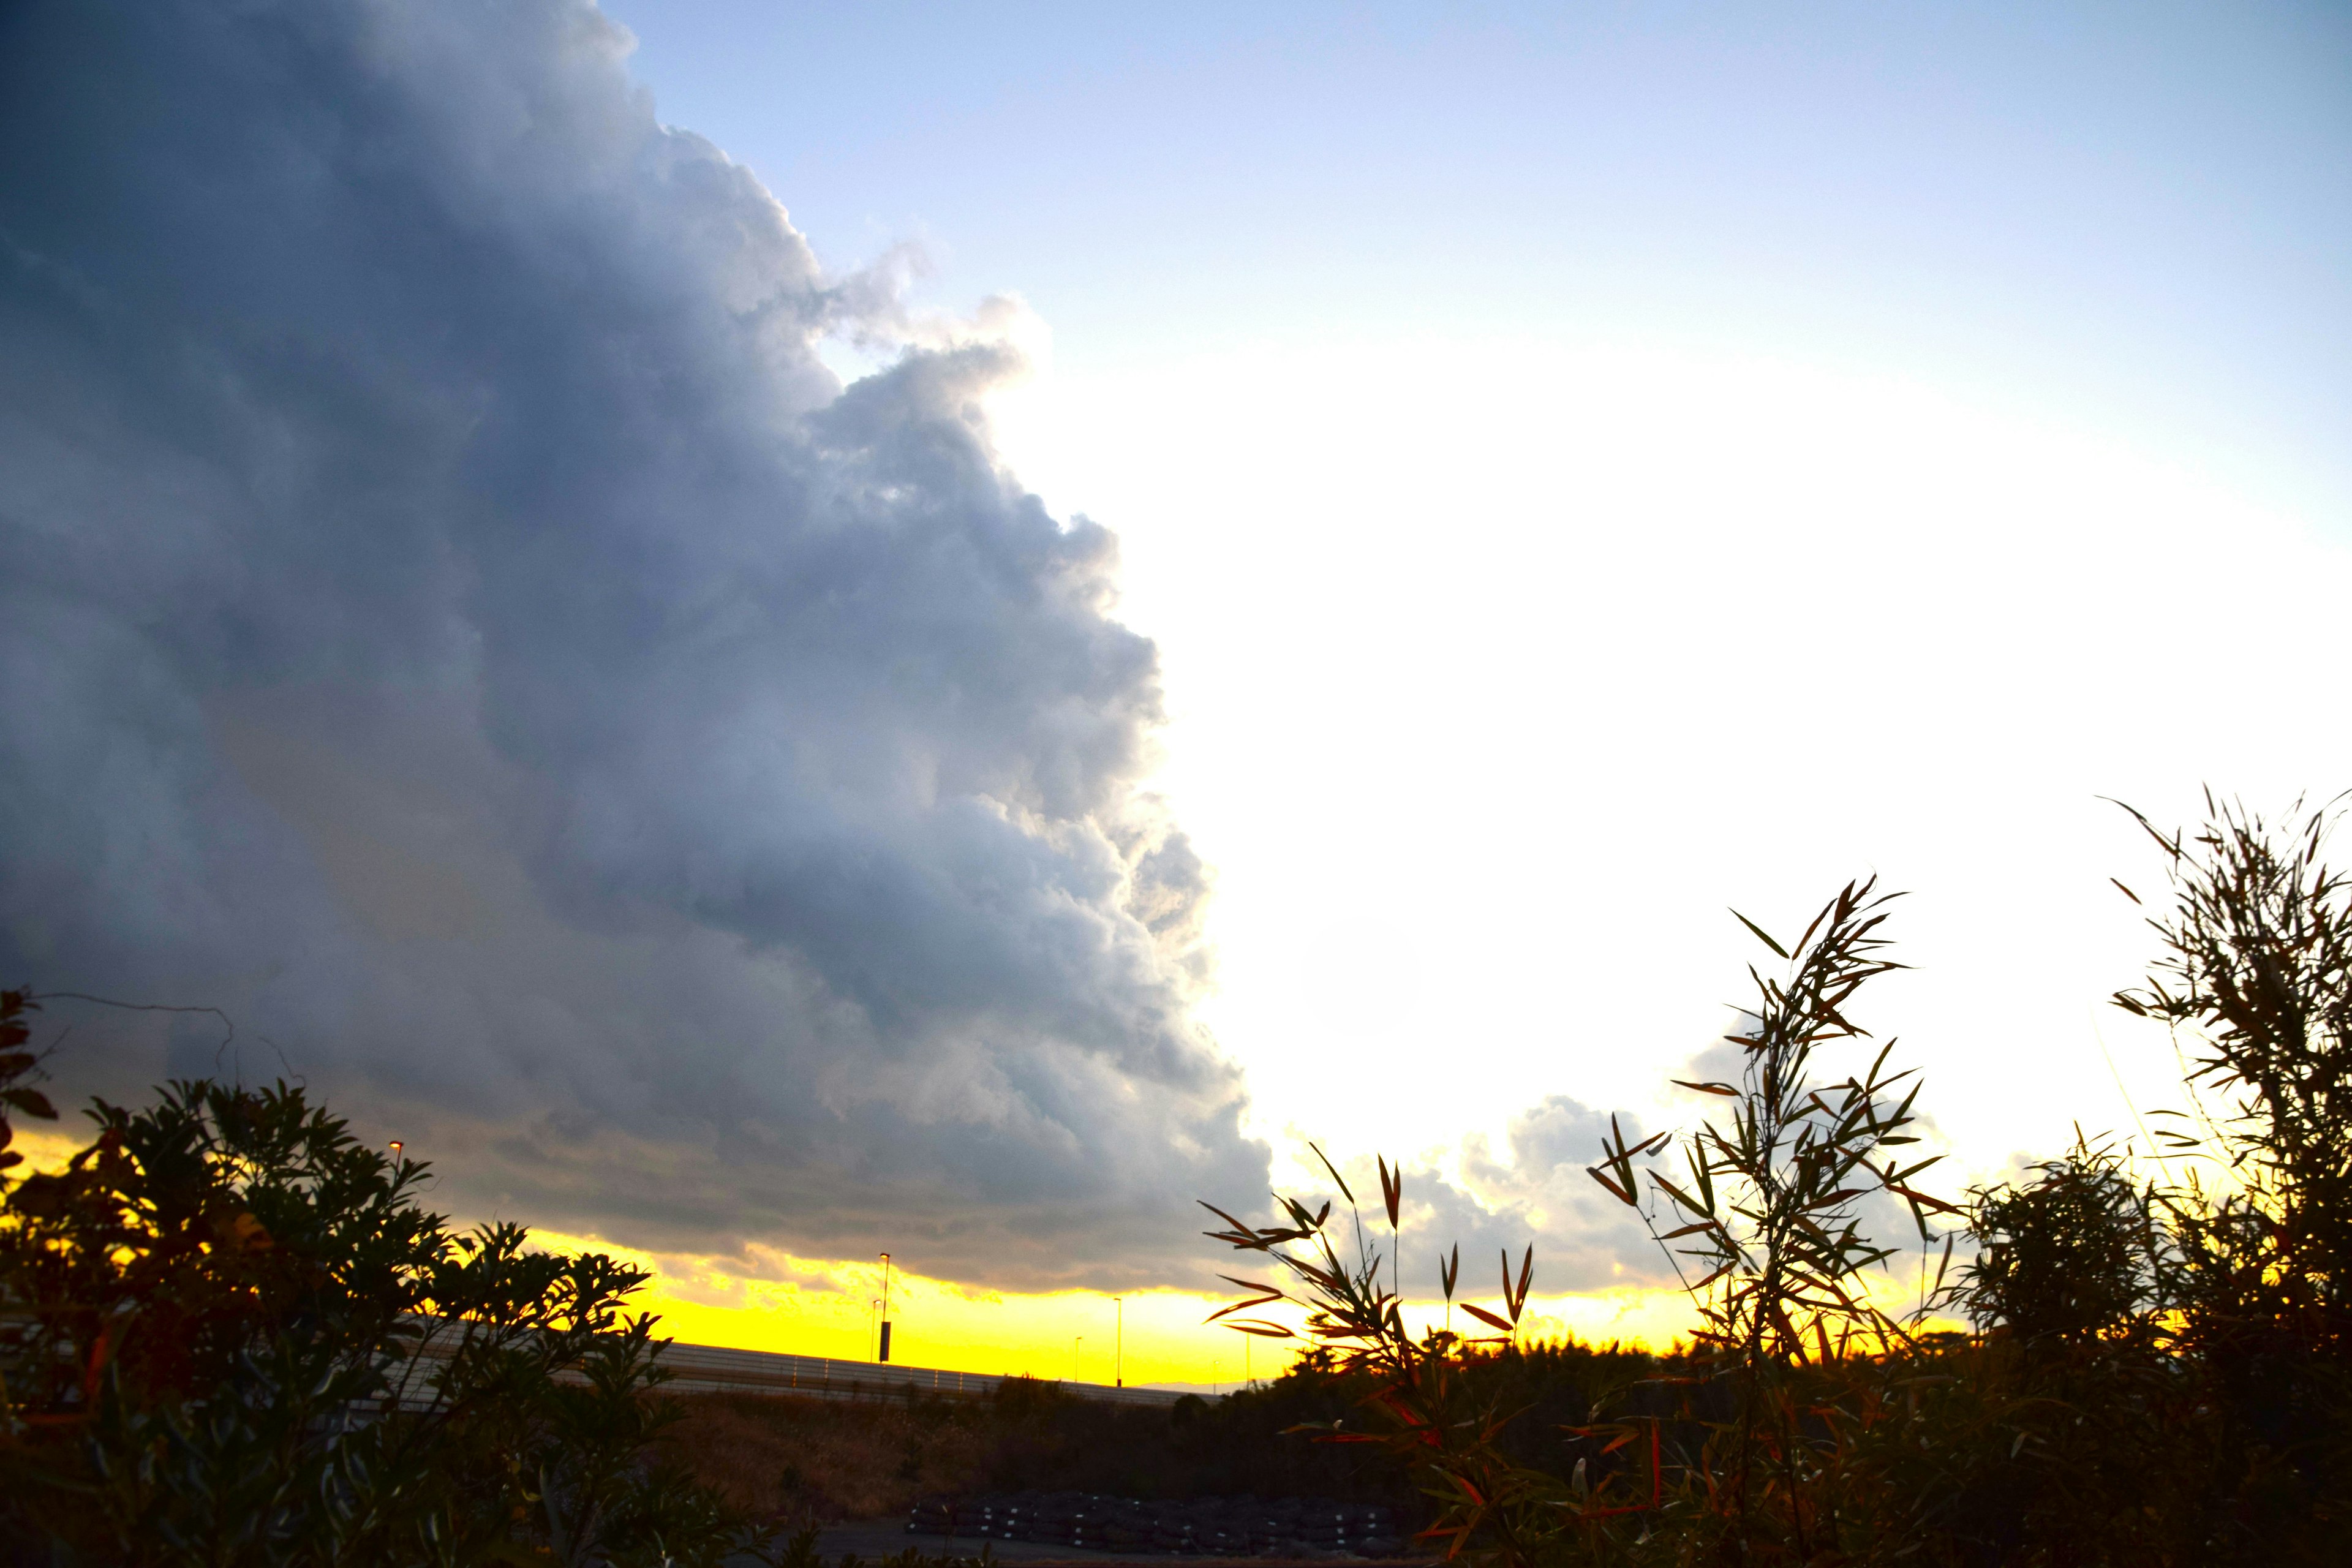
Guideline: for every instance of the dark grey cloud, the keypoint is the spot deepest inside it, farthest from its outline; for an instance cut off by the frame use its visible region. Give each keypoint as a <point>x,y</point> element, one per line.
<point>451,619</point>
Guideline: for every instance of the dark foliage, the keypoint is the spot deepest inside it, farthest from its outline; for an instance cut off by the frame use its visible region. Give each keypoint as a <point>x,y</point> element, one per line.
<point>2077,1253</point>
<point>1044,1439</point>
<point>231,1335</point>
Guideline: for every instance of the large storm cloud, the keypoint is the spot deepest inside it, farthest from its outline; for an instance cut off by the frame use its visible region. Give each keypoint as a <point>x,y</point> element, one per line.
<point>452,620</point>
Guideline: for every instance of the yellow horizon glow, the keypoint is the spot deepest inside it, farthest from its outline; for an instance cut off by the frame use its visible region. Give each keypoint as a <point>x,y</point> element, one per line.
<point>767,1300</point>
<point>764,1299</point>
<point>812,1307</point>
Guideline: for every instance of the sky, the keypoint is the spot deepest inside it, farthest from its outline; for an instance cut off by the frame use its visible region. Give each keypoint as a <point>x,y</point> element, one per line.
<point>781,632</point>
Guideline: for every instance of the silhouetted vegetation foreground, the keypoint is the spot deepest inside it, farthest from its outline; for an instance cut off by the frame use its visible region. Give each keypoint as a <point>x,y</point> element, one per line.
<point>230,1334</point>
<point>211,1324</point>
<point>210,1328</point>
<point>2159,1370</point>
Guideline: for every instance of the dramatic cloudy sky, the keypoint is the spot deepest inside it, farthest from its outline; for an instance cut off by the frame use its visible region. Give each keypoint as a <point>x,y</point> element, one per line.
<point>457,624</point>
<point>777,630</point>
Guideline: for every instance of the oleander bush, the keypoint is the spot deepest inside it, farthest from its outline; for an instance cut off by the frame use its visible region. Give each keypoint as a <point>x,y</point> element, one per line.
<point>229,1335</point>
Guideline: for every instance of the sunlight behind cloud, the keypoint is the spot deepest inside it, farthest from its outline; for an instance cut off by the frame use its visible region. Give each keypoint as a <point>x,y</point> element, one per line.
<point>1497,668</point>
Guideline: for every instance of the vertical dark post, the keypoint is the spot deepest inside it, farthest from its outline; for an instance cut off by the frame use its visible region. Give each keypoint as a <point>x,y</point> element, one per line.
<point>886,1308</point>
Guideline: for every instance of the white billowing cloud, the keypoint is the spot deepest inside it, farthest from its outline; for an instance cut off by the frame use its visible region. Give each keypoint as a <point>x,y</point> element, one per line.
<point>451,619</point>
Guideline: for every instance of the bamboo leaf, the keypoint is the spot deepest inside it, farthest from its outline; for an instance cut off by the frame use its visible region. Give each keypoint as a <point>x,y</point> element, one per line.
<point>1244,1306</point>
<point>1680,1196</point>
<point>1335,1171</point>
<point>1760,934</point>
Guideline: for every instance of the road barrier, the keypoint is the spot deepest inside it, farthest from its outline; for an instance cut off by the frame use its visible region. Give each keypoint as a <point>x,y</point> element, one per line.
<point>709,1369</point>
<point>712,1369</point>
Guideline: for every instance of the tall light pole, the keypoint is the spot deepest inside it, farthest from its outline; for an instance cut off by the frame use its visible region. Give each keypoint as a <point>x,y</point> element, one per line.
<point>1119,1356</point>
<point>886,1308</point>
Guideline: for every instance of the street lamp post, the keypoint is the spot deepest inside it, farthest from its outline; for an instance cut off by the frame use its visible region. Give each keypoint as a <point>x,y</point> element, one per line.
<point>886,1308</point>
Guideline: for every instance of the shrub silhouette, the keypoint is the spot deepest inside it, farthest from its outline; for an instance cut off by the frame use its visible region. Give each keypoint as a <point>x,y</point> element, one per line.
<point>230,1334</point>
<point>2078,1252</point>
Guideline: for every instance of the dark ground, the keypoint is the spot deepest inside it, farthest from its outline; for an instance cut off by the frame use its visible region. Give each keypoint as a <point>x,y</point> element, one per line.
<point>876,1538</point>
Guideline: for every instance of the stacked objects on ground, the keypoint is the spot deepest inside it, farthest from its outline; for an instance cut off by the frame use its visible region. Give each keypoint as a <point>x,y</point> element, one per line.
<point>1204,1527</point>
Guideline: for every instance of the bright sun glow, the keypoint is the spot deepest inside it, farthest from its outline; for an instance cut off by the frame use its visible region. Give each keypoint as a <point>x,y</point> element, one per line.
<point>1498,668</point>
